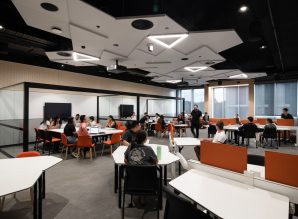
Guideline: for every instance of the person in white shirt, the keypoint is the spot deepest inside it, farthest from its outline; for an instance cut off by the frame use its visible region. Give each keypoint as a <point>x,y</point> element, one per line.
<point>45,124</point>
<point>77,121</point>
<point>92,121</point>
<point>220,137</point>
<point>133,116</point>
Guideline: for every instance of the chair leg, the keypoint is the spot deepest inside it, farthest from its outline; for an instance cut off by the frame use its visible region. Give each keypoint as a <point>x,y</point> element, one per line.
<point>90,152</point>
<point>79,153</point>
<point>66,153</point>
<point>94,152</point>
<point>2,200</point>
<point>123,203</point>
<point>111,150</point>
<point>103,147</point>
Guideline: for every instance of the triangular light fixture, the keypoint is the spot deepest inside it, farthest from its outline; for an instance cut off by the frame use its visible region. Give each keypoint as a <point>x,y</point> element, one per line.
<point>159,39</point>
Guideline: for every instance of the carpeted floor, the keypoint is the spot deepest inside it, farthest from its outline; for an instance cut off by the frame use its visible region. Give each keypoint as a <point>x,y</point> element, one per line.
<point>84,188</point>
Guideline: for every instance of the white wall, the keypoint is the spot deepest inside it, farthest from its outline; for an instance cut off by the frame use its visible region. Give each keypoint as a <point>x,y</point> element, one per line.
<point>11,104</point>
<point>81,104</point>
<point>165,107</point>
<point>109,105</point>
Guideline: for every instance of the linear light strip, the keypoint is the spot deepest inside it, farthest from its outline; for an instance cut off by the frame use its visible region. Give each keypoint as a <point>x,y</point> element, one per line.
<point>76,57</point>
<point>180,37</point>
<point>195,69</point>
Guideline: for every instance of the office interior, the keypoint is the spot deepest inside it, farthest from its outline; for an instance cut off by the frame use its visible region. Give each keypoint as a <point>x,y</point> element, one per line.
<point>138,63</point>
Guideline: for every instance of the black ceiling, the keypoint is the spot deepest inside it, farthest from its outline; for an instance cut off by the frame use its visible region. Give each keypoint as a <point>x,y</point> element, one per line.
<point>269,23</point>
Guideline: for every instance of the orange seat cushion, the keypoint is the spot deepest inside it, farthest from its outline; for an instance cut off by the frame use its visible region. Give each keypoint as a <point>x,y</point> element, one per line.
<point>107,142</point>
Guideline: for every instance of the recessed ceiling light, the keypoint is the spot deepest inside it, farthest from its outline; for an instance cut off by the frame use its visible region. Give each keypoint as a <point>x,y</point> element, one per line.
<point>1,27</point>
<point>239,76</point>
<point>142,24</point>
<point>62,65</point>
<point>158,38</point>
<point>263,47</point>
<point>56,30</point>
<point>195,69</point>
<point>243,9</point>
<point>173,81</point>
<point>141,80</point>
<point>82,57</point>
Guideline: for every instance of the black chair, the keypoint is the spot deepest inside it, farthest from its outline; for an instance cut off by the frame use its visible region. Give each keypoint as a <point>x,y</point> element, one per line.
<point>142,181</point>
<point>256,159</point>
<point>211,130</point>
<point>38,139</point>
<point>270,133</point>
<point>50,141</point>
<point>178,207</point>
<point>248,133</point>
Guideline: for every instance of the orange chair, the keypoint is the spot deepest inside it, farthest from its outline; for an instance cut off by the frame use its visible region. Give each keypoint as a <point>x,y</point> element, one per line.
<point>158,129</point>
<point>119,124</point>
<point>285,122</point>
<point>261,121</point>
<point>123,128</point>
<point>115,139</point>
<point>50,140</point>
<point>28,154</point>
<point>65,145</point>
<point>86,142</point>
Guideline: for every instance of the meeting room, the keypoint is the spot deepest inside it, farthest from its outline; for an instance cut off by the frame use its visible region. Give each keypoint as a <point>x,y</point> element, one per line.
<point>148,109</point>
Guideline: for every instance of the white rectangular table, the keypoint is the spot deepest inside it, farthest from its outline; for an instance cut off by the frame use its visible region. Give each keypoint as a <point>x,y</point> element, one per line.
<point>18,174</point>
<point>166,158</point>
<point>102,132</point>
<point>230,199</point>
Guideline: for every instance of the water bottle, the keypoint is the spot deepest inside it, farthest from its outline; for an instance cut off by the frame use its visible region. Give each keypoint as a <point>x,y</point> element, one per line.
<point>158,150</point>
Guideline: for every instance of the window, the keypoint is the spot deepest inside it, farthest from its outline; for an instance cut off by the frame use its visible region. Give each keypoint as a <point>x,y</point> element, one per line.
<point>228,101</point>
<point>271,98</point>
<point>193,97</point>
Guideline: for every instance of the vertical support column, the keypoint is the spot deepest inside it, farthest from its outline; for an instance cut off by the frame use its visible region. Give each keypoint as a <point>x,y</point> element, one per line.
<point>26,118</point>
<point>138,108</point>
<point>177,102</point>
<point>97,109</point>
<point>183,102</point>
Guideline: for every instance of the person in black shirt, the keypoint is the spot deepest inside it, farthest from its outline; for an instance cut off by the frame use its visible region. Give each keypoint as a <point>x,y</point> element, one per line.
<point>138,153</point>
<point>206,118</point>
<point>144,119</point>
<point>70,131</point>
<point>130,134</point>
<point>285,114</point>
<point>249,128</point>
<point>196,115</point>
<point>162,122</point>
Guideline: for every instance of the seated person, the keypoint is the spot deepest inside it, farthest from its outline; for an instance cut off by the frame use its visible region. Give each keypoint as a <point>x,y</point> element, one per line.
<point>285,114</point>
<point>63,123</point>
<point>133,116</point>
<point>205,119</point>
<point>130,134</point>
<point>111,123</point>
<point>162,122</point>
<point>45,124</point>
<point>138,153</point>
<point>156,117</point>
<point>56,123</point>
<point>237,118</point>
<point>249,128</point>
<point>77,120</point>
<point>83,126</point>
<point>144,120</point>
<point>70,133</point>
<point>269,126</point>
<point>180,119</point>
<point>220,137</point>
<point>92,121</point>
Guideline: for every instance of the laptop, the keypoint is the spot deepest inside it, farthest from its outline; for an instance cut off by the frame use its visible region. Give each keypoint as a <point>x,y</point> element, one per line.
<point>94,130</point>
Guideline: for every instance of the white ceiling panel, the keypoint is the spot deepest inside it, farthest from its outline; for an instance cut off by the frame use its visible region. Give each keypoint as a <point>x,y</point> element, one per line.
<point>75,63</point>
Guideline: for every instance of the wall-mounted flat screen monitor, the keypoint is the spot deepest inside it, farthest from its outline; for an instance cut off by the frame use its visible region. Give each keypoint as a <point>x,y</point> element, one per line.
<point>126,110</point>
<point>63,110</point>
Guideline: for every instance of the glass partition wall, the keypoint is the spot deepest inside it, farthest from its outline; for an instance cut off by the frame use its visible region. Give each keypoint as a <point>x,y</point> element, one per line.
<point>24,107</point>
<point>11,119</point>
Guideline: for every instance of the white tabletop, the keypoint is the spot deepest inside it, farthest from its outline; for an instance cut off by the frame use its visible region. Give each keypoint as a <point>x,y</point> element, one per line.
<point>18,174</point>
<point>180,125</point>
<point>103,131</point>
<point>256,168</point>
<point>166,156</point>
<point>230,199</point>
<point>187,141</point>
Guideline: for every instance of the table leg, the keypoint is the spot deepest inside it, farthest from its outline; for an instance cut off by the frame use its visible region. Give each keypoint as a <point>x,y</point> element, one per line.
<point>165,175</point>
<point>43,184</point>
<point>116,178</point>
<point>296,138</point>
<point>40,196</point>
<point>180,149</point>
<point>120,186</point>
<point>35,213</point>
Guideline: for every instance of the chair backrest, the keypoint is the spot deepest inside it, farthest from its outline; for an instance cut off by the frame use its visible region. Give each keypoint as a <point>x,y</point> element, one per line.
<point>270,132</point>
<point>261,121</point>
<point>48,136</point>
<point>158,127</point>
<point>140,178</point>
<point>119,123</point>
<point>64,139</point>
<point>211,130</point>
<point>116,138</point>
<point>256,159</point>
<point>285,122</point>
<point>123,128</point>
<point>42,133</point>
<point>28,154</point>
<point>84,141</point>
<point>36,132</point>
<point>178,207</point>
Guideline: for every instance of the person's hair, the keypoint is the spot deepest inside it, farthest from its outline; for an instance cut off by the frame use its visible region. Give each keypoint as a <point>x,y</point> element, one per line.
<point>206,113</point>
<point>70,120</point>
<point>77,114</point>
<point>196,105</point>
<point>156,114</point>
<point>141,136</point>
<point>82,118</point>
<point>56,120</point>
<point>91,118</point>
<point>250,118</point>
<point>131,124</point>
<point>45,120</point>
<point>161,117</point>
<point>269,120</point>
<point>145,113</point>
<point>220,124</point>
<point>112,118</point>
<point>285,109</point>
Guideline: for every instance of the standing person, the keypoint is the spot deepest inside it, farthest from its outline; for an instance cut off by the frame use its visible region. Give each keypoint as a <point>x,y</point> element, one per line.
<point>130,134</point>
<point>162,122</point>
<point>144,119</point>
<point>285,114</point>
<point>111,122</point>
<point>196,115</point>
